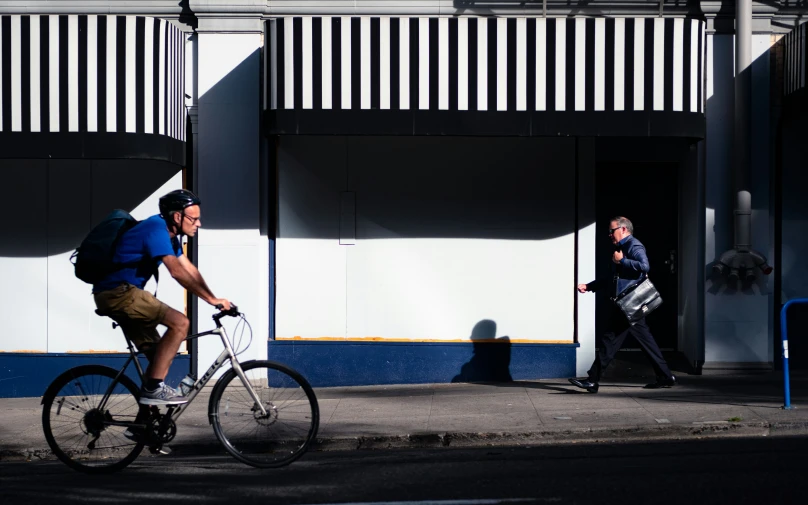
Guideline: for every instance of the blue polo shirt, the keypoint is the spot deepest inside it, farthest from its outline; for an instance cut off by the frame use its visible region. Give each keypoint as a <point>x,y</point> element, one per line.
<point>141,249</point>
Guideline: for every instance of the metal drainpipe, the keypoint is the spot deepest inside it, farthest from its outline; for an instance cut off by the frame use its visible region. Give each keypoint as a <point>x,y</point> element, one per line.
<point>741,260</point>
<point>743,151</point>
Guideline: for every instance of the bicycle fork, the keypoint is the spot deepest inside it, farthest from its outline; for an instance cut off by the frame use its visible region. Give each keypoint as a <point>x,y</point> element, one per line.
<point>237,367</point>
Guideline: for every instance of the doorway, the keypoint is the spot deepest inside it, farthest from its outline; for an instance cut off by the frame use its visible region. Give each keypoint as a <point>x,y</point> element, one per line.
<point>647,194</point>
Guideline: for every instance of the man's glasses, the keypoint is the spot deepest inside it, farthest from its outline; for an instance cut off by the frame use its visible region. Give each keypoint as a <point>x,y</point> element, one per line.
<point>193,220</point>
<point>612,230</point>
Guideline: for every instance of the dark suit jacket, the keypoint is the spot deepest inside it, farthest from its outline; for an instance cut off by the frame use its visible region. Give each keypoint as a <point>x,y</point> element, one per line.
<point>632,268</point>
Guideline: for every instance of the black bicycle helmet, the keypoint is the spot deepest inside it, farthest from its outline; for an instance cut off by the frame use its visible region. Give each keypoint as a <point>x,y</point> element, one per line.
<point>176,201</point>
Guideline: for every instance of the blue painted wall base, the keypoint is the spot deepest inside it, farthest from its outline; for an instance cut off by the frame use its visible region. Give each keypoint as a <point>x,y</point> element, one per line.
<point>28,375</point>
<point>340,363</point>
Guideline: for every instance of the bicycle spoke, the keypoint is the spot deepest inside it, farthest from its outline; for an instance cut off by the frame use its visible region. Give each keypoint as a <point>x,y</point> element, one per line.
<point>79,432</point>
<point>279,435</point>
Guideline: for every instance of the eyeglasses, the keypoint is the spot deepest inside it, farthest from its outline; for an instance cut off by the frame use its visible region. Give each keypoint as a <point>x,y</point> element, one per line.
<point>193,220</point>
<point>612,230</point>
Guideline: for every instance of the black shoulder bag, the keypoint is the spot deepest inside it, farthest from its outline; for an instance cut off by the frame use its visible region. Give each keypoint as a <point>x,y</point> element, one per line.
<point>638,301</point>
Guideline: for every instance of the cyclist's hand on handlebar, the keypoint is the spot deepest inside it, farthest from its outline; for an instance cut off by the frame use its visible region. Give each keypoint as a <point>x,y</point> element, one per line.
<point>221,304</point>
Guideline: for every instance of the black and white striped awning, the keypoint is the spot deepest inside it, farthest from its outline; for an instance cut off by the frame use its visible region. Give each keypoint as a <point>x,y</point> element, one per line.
<point>796,45</point>
<point>510,76</point>
<point>74,86</point>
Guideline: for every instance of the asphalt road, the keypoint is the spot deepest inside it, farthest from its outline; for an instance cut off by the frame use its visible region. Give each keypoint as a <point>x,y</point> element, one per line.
<point>725,471</point>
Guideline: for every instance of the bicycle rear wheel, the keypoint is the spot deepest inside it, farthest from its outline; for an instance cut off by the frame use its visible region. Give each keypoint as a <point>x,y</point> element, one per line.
<point>266,440</point>
<point>81,432</point>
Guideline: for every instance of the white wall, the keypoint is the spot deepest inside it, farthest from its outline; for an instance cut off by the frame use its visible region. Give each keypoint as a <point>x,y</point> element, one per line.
<point>449,231</point>
<point>738,324</point>
<point>24,255</point>
<point>233,255</point>
<point>50,207</point>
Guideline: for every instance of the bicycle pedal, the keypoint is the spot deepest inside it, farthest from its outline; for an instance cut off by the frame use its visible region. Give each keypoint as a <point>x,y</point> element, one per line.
<point>163,451</point>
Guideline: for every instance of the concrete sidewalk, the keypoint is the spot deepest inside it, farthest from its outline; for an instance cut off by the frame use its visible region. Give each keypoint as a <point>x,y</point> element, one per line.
<point>523,412</point>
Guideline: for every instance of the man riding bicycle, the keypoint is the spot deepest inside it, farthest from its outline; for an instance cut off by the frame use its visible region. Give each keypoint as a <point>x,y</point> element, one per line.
<point>120,295</point>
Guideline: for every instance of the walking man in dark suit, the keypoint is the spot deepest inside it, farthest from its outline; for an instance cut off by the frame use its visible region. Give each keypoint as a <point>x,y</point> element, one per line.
<point>629,267</point>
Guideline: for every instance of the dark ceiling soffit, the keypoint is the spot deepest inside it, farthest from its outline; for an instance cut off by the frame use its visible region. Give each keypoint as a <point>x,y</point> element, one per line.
<point>485,123</point>
<point>75,145</point>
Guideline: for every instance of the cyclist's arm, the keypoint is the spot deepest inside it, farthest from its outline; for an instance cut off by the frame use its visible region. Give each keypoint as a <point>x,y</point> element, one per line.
<point>184,272</point>
<point>191,269</point>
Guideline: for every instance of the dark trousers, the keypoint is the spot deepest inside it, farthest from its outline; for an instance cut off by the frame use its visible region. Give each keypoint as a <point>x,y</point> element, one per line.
<point>613,339</point>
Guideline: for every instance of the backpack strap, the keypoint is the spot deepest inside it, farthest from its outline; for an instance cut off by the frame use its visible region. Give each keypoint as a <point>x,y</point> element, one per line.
<point>156,280</point>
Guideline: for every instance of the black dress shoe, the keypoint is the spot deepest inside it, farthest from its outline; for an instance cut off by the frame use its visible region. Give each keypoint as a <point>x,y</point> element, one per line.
<point>662,383</point>
<point>590,386</point>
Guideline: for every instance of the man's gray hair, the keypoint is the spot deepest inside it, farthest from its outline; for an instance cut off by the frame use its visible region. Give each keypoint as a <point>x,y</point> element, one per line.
<point>624,221</point>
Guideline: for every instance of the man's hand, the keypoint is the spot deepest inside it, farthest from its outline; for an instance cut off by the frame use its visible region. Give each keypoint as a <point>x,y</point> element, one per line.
<point>221,301</point>
<point>582,288</point>
<point>617,256</point>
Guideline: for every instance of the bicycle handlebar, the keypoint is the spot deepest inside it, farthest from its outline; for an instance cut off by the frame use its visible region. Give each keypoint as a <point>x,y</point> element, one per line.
<point>233,312</point>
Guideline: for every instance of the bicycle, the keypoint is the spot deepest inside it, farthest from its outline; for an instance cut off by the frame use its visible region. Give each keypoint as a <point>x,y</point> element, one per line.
<point>267,418</point>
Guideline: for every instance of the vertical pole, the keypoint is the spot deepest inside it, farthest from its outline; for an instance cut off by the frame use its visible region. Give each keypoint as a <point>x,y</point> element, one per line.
<point>193,114</point>
<point>742,147</point>
<point>784,333</point>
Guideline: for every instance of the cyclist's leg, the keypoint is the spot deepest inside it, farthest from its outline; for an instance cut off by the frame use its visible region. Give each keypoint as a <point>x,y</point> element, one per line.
<point>137,317</point>
<point>178,326</point>
<point>139,312</point>
<point>144,337</point>
<point>150,311</point>
<point>148,349</point>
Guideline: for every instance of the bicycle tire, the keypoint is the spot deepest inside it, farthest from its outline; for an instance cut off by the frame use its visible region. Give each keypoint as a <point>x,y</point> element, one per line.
<point>274,440</point>
<point>71,419</point>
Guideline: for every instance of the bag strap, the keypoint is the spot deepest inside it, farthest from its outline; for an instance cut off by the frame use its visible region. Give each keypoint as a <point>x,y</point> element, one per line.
<point>156,280</point>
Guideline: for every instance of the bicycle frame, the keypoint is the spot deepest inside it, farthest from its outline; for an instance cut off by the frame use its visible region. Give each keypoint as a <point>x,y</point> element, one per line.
<point>227,354</point>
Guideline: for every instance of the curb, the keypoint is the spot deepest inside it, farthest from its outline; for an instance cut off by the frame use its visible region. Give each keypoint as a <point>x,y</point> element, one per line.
<point>627,434</point>
<point>581,435</point>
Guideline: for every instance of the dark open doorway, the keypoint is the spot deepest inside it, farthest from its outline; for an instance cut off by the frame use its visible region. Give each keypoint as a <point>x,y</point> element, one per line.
<point>647,194</point>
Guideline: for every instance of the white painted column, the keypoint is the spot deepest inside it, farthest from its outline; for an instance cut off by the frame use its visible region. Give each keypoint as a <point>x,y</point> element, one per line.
<point>232,253</point>
<point>585,263</point>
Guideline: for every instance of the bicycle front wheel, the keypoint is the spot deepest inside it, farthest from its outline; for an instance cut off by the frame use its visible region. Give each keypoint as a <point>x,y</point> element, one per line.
<point>85,415</point>
<point>276,435</point>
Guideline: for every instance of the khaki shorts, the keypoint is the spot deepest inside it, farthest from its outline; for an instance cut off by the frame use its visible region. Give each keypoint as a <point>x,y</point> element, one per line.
<point>137,311</point>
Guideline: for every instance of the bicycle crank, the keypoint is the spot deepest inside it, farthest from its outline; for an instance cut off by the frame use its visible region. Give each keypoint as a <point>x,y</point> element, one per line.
<point>161,429</point>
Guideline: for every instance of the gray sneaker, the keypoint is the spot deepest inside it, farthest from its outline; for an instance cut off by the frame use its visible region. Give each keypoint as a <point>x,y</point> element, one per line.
<point>163,395</point>
<point>134,436</point>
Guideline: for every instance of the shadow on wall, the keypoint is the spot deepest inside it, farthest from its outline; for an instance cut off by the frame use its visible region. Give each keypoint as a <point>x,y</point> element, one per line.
<point>491,358</point>
<point>229,123</point>
<point>48,206</point>
<point>428,187</point>
<point>720,184</point>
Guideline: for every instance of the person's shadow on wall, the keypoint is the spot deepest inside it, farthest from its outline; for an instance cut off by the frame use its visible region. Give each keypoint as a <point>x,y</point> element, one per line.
<point>491,358</point>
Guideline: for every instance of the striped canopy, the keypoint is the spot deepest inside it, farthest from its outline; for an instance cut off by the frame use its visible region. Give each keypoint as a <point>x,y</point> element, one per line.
<point>632,70</point>
<point>87,83</point>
